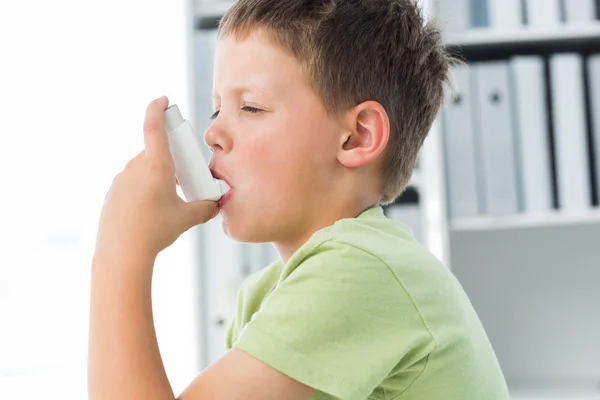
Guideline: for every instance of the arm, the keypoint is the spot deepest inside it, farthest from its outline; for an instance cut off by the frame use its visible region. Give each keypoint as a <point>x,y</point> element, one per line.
<point>141,216</point>
<point>124,358</point>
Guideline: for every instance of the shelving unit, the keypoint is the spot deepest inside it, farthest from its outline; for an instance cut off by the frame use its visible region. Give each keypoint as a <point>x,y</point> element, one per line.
<point>554,219</point>
<point>561,34</point>
<point>533,279</point>
<point>491,44</point>
<point>550,395</point>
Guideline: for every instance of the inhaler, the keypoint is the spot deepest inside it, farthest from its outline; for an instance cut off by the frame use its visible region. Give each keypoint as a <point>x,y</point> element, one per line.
<point>191,169</point>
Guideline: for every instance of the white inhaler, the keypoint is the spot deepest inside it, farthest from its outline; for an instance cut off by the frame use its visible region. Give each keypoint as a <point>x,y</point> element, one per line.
<point>191,169</point>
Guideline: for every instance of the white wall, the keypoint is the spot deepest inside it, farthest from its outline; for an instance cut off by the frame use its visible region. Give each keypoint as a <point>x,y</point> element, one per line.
<point>75,79</point>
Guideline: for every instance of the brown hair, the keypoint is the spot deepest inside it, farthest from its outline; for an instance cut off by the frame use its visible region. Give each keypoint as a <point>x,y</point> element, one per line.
<point>359,50</point>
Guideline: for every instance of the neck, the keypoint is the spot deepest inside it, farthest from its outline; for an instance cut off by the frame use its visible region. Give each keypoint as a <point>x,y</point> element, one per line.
<point>287,247</point>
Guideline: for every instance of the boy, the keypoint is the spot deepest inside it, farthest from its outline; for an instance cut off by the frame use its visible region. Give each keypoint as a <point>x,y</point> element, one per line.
<point>320,109</point>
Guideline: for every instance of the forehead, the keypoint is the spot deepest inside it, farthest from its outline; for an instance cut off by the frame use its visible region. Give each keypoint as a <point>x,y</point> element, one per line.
<point>255,61</point>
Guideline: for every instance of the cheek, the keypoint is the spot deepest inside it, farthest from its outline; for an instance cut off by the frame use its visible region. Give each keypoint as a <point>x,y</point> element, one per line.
<point>289,157</point>
<point>268,166</point>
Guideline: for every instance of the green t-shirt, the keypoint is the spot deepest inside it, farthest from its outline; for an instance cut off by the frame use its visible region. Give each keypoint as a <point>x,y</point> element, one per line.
<point>363,311</point>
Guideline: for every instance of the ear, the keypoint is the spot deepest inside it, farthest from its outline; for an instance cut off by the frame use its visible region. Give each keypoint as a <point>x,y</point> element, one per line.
<point>367,134</point>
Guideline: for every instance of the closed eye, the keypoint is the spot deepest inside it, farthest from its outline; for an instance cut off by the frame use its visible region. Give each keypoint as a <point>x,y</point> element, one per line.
<point>252,109</point>
<point>249,109</point>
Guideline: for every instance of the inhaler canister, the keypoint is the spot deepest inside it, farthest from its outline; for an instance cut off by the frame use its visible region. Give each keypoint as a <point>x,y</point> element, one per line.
<point>191,168</point>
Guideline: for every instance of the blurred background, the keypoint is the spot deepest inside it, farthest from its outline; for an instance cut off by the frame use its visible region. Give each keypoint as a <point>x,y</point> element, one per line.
<point>506,190</point>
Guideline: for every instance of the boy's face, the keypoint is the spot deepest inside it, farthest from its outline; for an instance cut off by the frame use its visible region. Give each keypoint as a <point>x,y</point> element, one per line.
<point>272,141</point>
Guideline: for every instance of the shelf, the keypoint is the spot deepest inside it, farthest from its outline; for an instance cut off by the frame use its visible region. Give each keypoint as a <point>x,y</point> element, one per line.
<point>550,394</point>
<point>522,221</point>
<point>486,43</point>
<point>475,44</point>
<point>487,37</point>
<point>554,397</point>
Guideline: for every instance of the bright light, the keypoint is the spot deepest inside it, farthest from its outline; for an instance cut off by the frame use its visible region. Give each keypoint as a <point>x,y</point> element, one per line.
<point>75,79</point>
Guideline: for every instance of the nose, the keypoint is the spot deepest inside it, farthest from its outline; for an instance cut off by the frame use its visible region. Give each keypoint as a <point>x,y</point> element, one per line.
<point>217,138</point>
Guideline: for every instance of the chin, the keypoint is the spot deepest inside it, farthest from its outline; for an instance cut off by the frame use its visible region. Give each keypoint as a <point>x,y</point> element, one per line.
<point>243,230</point>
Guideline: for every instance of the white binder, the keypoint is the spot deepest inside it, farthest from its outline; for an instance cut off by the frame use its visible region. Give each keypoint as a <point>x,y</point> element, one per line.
<point>528,87</point>
<point>453,15</point>
<point>568,111</point>
<point>459,142</point>
<point>593,66</point>
<point>505,14</point>
<point>543,13</point>
<point>579,11</point>
<point>495,131</point>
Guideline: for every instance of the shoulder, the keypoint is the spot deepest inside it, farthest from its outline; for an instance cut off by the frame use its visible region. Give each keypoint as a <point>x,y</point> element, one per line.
<point>256,285</point>
<point>390,242</point>
<point>349,278</point>
<point>386,246</point>
<point>333,259</point>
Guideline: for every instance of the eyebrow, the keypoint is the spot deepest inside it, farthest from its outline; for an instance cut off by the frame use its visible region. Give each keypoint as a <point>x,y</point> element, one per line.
<point>239,90</point>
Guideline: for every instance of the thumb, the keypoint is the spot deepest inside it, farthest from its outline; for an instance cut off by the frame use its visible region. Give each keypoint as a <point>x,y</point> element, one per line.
<point>200,212</point>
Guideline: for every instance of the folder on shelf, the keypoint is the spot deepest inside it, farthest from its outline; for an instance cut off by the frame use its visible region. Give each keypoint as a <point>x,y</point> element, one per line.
<point>594,87</point>
<point>570,132</point>
<point>494,129</point>
<point>459,144</point>
<point>479,13</point>
<point>453,15</point>
<point>579,11</point>
<point>543,13</point>
<point>528,88</point>
<point>505,14</point>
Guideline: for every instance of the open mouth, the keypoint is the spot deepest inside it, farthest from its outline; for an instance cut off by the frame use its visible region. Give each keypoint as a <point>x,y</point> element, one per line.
<point>225,198</point>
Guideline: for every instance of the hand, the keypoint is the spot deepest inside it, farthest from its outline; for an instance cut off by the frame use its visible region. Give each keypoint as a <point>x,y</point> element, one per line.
<point>142,210</point>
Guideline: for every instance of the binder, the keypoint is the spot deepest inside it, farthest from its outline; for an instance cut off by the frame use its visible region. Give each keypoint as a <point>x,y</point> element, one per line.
<point>543,13</point>
<point>528,88</point>
<point>593,65</point>
<point>495,132</point>
<point>459,146</point>
<point>579,11</point>
<point>505,14</point>
<point>453,15</point>
<point>479,13</point>
<point>568,113</point>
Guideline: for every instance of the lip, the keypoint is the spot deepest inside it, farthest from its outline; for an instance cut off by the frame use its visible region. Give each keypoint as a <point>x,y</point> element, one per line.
<point>219,176</point>
<point>225,199</point>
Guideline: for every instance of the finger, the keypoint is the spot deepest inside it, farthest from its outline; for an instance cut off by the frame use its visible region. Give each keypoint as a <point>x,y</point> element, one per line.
<point>156,141</point>
<point>199,212</point>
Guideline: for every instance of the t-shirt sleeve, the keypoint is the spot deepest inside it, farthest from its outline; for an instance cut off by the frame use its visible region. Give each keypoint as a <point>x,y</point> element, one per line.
<point>340,322</point>
<point>234,324</point>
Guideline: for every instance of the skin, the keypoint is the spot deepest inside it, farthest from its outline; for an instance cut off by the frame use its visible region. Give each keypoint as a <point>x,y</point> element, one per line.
<point>294,169</point>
